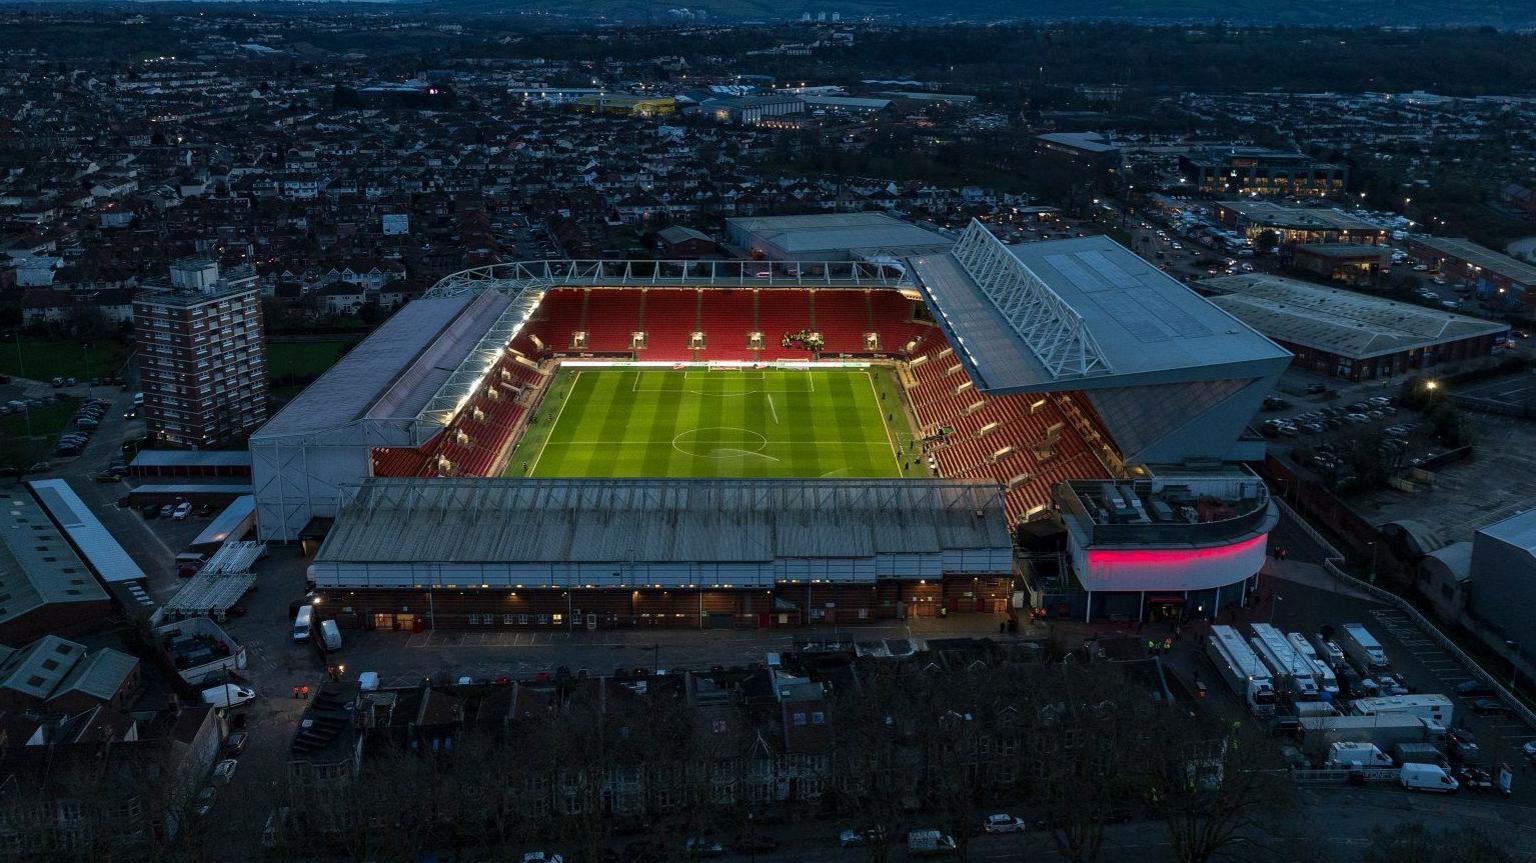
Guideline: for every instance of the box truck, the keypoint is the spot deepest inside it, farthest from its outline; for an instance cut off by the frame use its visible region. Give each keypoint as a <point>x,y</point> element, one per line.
<point>1249,678</point>
<point>1362,648</point>
<point>1291,669</point>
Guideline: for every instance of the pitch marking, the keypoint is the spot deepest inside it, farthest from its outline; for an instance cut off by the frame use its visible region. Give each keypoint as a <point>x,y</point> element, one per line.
<point>773,409</point>
<point>534,465</point>
<point>723,452</point>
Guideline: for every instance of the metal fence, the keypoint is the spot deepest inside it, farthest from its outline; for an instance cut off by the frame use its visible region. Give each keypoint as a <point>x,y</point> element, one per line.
<point>1329,776</point>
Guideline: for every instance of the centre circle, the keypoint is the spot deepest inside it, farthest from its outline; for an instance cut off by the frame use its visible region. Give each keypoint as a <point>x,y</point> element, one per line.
<point>687,441</point>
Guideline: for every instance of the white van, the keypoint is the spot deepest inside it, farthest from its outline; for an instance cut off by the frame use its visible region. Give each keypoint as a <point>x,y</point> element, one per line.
<point>1345,755</point>
<point>228,695</point>
<point>303,624</point>
<point>1427,777</point>
<point>330,633</point>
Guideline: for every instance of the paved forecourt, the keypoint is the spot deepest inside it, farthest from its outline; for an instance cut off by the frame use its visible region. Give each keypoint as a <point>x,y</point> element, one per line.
<point>707,423</point>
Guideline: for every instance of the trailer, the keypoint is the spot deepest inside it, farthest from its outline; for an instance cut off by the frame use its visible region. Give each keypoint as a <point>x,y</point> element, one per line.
<point>1386,731</point>
<point>1438,708</point>
<point>1327,681</point>
<point>1362,648</point>
<point>1289,667</point>
<point>1247,676</point>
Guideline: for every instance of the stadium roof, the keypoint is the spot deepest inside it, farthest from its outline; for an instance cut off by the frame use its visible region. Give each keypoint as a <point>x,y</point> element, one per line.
<point>397,370</point>
<point>1079,314</point>
<point>88,534</point>
<point>839,232</point>
<point>1349,324</point>
<point>1299,218</point>
<point>660,520</point>
<point>37,566</point>
<point>1479,256</point>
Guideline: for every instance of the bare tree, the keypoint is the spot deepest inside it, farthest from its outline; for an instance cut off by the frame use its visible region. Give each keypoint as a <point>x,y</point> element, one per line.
<point>1216,790</point>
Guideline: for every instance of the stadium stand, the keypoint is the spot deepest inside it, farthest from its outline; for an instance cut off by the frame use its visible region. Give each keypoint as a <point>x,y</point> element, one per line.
<point>727,319</point>
<point>670,318</point>
<point>557,317</point>
<point>780,312</point>
<point>842,318</point>
<point>611,318</point>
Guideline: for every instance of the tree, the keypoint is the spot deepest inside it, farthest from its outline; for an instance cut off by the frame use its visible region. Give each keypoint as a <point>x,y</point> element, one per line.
<point>1267,241</point>
<point>1215,792</point>
<point>1421,845</point>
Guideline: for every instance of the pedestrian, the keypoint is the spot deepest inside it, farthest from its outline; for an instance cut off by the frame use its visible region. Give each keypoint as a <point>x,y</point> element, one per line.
<point>1002,627</point>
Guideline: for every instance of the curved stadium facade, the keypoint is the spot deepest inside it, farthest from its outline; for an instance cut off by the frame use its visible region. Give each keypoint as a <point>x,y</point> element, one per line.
<point>1062,385</point>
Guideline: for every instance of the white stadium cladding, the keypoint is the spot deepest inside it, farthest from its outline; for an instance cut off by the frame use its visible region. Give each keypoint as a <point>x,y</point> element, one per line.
<point>1173,378</point>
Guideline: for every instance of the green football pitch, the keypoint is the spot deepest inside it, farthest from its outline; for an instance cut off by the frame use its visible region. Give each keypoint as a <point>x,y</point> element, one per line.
<point>703,423</point>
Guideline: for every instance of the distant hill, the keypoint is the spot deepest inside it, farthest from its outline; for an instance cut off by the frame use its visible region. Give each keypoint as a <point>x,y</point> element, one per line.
<point>1454,13</point>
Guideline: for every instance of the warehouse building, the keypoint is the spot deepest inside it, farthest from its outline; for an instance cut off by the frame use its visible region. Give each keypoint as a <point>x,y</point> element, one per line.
<point>1261,171</point>
<point>45,588</point>
<point>571,553</point>
<point>1344,334</point>
<point>1298,225</point>
<point>1497,279</point>
<point>1086,157</point>
<point>1352,263</point>
<point>627,105</point>
<point>831,237</point>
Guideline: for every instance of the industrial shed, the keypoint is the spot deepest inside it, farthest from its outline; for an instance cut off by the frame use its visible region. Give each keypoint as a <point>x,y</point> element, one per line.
<point>1351,335</point>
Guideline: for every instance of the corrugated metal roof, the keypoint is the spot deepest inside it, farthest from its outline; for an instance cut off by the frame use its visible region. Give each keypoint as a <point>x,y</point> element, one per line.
<point>395,370</point>
<point>38,668</point>
<point>416,520</point>
<point>840,232</point>
<point>1150,328</point>
<point>242,511</point>
<point>90,537</point>
<point>1338,321</point>
<point>191,458</point>
<point>1517,530</point>
<point>99,675</point>
<point>37,565</point>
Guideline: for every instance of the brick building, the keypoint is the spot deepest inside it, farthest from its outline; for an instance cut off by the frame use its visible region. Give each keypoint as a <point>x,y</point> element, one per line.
<point>202,354</point>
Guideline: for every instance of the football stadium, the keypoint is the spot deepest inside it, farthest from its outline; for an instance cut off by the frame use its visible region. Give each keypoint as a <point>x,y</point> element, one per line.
<point>1055,429</point>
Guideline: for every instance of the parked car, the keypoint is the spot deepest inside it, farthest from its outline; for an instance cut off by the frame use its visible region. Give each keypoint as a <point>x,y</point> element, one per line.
<point>150,510</point>
<point>235,743</point>
<point>167,510</point>
<point>1490,707</point>
<point>542,857</point>
<point>224,771</point>
<point>1004,823</point>
<point>698,846</point>
<point>182,510</point>
<point>1472,689</point>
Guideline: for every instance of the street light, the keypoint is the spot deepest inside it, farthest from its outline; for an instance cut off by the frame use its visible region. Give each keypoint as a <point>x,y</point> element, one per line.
<point>1372,544</point>
<point>1272,603</point>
